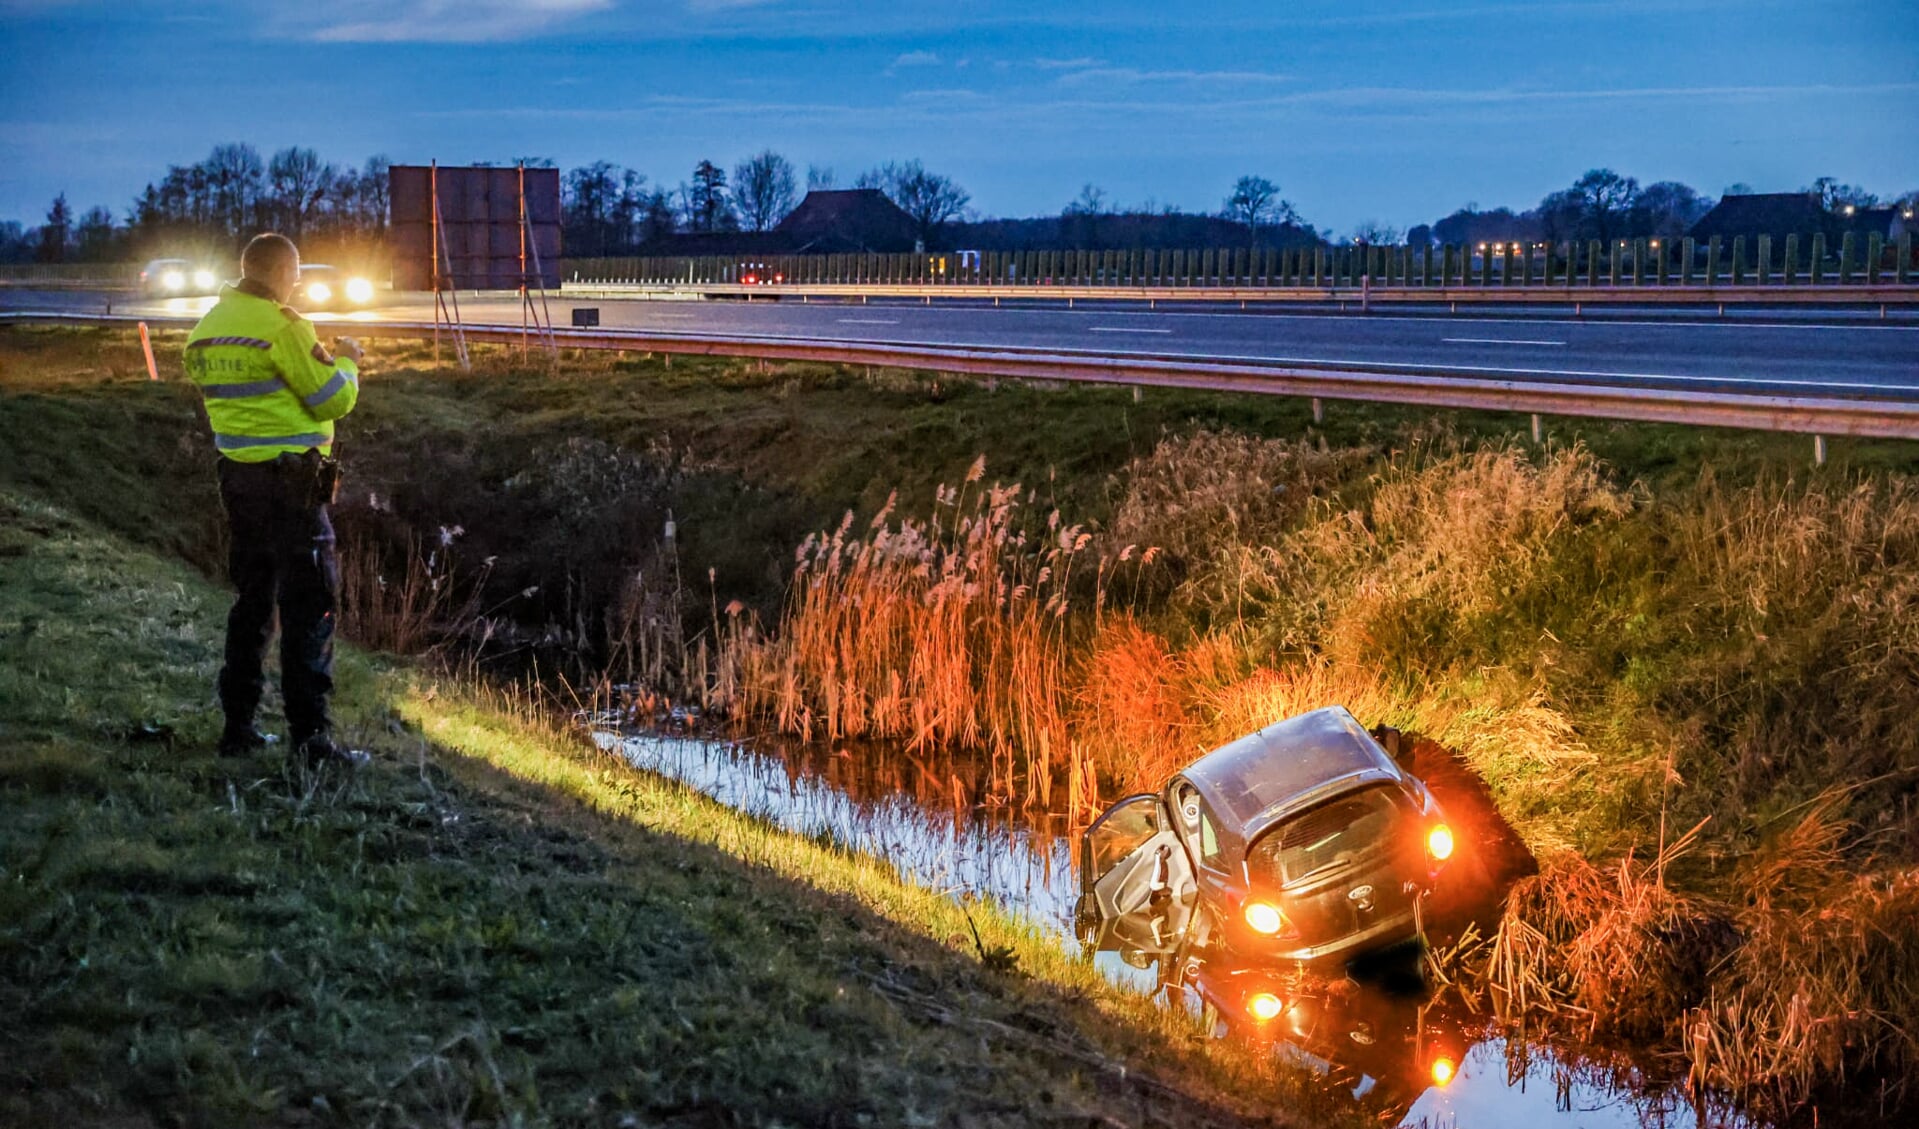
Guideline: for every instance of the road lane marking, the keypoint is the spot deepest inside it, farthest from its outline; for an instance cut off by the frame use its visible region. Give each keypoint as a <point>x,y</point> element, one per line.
<point>869,321</point>
<point>1469,371</point>
<point>1494,341</point>
<point>1121,329</point>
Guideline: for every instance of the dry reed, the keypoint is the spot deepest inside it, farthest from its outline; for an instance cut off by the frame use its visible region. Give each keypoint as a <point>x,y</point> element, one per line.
<point>947,631</point>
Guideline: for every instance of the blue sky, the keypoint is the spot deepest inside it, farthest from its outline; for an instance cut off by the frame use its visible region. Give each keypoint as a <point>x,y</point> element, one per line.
<point>1390,112</point>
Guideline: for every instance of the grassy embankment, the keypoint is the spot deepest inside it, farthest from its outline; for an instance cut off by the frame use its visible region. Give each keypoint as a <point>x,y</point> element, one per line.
<point>492,925</point>
<point>1622,644</point>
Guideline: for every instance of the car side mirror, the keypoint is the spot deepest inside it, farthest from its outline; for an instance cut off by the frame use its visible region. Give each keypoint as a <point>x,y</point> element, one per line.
<point>1396,746</point>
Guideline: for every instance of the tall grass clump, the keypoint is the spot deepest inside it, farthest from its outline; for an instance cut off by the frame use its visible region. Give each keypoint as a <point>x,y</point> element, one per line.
<point>945,631</point>
<point>1212,502</point>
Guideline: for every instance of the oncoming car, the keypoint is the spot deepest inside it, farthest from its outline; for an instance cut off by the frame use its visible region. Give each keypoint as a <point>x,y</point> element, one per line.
<point>1302,842</point>
<point>177,278</point>
<point>324,287</point>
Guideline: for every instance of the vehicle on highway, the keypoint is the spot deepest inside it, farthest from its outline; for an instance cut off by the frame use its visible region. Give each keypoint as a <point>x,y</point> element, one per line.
<point>177,278</point>
<point>1305,842</point>
<point>759,274</point>
<point>324,287</point>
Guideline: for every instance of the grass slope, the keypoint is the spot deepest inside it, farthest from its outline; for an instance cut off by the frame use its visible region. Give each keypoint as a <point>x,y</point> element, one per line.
<point>489,926</point>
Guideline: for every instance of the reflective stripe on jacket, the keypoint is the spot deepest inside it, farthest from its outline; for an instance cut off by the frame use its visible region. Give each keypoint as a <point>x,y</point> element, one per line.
<point>270,387</point>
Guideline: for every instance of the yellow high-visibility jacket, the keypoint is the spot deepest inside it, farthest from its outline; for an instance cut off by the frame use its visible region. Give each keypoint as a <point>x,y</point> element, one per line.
<point>270,387</point>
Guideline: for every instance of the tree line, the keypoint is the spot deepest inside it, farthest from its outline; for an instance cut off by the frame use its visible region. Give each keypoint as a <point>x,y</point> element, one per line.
<point>211,206</point>
<point>1603,205</point>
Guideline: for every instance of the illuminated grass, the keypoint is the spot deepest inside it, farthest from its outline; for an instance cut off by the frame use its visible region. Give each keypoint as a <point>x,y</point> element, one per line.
<point>493,923</point>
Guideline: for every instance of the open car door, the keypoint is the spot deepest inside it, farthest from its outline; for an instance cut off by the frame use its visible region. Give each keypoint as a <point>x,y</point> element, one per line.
<point>1130,858</point>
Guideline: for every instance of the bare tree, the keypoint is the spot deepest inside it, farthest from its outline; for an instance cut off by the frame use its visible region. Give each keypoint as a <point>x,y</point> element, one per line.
<point>1256,202</point>
<point>57,232</point>
<point>819,178</point>
<point>764,190</point>
<point>931,199</point>
<point>1079,220</point>
<point>1834,196</point>
<point>1604,200</point>
<point>707,206</point>
<point>1375,234</point>
<point>234,178</point>
<point>296,182</point>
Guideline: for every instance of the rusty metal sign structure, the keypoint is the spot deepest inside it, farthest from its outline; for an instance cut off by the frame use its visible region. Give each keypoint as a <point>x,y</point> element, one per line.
<point>477,228</point>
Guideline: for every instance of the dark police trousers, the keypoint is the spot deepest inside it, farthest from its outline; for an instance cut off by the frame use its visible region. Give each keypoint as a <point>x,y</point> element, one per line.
<point>281,556</point>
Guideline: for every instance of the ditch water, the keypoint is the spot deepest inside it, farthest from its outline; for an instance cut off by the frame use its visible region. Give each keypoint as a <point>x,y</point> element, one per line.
<point>1406,1059</point>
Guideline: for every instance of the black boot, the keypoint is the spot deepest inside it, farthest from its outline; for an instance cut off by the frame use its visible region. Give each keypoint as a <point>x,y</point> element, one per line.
<point>320,749</point>
<point>243,740</point>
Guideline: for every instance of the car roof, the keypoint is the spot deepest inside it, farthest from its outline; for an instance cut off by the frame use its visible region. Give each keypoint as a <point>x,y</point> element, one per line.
<point>1251,779</point>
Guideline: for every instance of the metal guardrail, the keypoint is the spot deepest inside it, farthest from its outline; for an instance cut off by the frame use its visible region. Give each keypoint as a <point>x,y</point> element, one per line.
<point>1577,297</point>
<point>1460,388</point>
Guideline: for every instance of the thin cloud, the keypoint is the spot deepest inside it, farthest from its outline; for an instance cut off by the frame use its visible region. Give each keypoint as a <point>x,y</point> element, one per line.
<point>447,21</point>
<point>1084,62</point>
<point>913,59</point>
<point>1131,75</point>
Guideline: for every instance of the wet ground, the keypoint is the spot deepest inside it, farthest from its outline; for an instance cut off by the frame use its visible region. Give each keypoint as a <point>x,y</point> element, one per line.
<point>1404,1053</point>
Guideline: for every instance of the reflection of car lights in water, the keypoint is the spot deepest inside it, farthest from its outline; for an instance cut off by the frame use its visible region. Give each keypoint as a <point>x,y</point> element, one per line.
<point>203,280</point>
<point>1264,918</point>
<point>319,292</point>
<point>1439,842</point>
<point>173,280</point>
<point>1443,1070</point>
<point>359,290</point>
<point>1263,1006</point>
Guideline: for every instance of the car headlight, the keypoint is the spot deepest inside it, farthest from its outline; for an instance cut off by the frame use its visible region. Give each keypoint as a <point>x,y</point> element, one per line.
<point>1439,842</point>
<point>173,280</point>
<point>359,290</point>
<point>203,280</point>
<point>1264,918</point>
<point>1443,1070</point>
<point>1262,1006</point>
<point>319,292</point>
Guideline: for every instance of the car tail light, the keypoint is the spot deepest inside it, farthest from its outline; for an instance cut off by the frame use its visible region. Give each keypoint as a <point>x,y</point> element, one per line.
<point>1263,1006</point>
<point>1263,917</point>
<point>1439,842</point>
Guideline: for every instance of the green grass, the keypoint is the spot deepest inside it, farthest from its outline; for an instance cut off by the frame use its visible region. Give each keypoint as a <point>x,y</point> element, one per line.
<point>492,924</point>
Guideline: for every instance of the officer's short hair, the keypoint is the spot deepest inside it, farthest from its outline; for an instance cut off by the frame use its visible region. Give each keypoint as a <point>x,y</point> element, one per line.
<point>266,253</point>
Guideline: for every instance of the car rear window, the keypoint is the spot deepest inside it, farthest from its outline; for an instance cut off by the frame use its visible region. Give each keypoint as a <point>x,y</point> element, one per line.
<point>1347,828</point>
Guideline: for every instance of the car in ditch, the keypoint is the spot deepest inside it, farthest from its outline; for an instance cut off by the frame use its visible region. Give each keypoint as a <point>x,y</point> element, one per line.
<point>1306,842</point>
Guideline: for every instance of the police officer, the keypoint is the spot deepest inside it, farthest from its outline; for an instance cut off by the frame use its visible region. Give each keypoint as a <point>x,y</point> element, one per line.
<point>272,393</point>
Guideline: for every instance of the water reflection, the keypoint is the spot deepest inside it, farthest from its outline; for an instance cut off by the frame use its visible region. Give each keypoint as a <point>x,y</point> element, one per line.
<point>1402,1054</point>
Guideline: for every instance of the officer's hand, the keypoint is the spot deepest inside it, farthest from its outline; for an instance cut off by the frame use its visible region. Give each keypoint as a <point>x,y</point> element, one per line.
<point>347,346</point>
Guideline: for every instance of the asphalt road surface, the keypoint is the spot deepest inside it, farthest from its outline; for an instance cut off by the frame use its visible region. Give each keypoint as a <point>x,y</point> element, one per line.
<point>1745,355</point>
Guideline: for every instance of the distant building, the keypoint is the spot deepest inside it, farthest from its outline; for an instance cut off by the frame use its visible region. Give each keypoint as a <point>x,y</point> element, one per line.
<point>849,221</point>
<point>1780,214</point>
<point>838,222</point>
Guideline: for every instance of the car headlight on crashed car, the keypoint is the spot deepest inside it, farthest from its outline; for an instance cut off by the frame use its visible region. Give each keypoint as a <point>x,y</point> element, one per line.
<point>173,280</point>
<point>1262,917</point>
<point>203,280</point>
<point>1439,842</point>
<point>1263,1006</point>
<point>319,292</point>
<point>359,290</point>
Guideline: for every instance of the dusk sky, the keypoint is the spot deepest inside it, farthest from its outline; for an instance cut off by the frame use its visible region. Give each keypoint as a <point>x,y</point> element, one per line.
<point>1390,112</point>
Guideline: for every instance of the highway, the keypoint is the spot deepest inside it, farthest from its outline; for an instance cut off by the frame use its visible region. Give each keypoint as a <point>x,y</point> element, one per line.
<point>1879,360</point>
